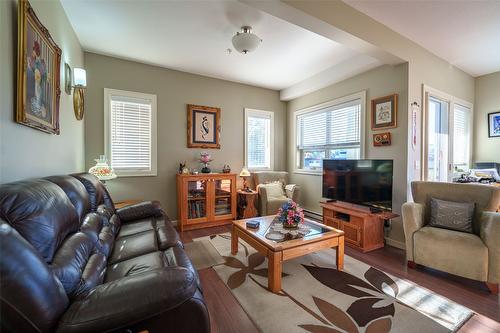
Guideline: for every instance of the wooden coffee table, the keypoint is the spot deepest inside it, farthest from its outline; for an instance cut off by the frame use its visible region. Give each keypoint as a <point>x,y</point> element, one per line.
<point>321,237</point>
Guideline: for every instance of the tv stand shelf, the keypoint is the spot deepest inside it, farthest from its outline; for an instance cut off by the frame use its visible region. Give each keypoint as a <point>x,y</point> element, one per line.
<point>363,230</point>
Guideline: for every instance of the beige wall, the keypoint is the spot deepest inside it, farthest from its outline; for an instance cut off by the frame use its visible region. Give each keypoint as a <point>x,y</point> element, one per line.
<point>381,81</point>
<point>174,90</point>
<point>26,152</point>
<point>487,100</point>
<point>424,67</point>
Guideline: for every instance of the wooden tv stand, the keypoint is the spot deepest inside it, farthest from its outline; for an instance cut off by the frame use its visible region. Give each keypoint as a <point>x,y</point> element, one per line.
<point>363,230</point>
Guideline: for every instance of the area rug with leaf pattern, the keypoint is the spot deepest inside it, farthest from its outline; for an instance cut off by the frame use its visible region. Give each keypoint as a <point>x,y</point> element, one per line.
<point>317,298</point>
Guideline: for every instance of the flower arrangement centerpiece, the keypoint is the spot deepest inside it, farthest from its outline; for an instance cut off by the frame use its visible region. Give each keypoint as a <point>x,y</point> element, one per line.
<point>205,160</point>
<point>290,214</point>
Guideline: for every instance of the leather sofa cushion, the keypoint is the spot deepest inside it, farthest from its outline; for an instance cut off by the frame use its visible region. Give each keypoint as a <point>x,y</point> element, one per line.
<point>133,246</point>
<point>32,299</point>
<point>133,228</point>
<point>135,265</point>
<point>167,235</point>
<point>41,212</point>
<point>116,305</point>
<point>71,258</point>
<point>98,194</point>
<point>176,256</point>
<point>451,251</point>
<point>75,191</point>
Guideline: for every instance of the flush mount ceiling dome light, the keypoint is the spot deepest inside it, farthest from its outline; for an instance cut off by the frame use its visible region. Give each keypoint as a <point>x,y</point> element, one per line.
<point>245,41</point>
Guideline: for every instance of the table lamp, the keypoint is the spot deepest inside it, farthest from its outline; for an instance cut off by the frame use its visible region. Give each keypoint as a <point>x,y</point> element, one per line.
<point>245,174</point>
<point>102,170</point>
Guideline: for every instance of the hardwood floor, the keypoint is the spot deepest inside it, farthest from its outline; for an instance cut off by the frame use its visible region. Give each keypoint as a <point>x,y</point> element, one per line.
<point>227,315</point>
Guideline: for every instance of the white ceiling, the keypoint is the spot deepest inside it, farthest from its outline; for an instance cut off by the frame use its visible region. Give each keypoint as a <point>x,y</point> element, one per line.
<point>465,33</point>
<point>194,36</point>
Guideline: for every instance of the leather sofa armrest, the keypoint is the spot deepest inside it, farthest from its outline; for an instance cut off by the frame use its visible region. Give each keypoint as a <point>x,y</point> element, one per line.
<point>133,299</point>
<point>140,210</point>
<point>413,220</point>
<point>489,231</point>
<point>292,191</point>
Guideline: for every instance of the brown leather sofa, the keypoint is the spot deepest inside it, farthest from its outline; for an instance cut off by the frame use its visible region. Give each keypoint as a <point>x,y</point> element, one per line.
<point>71,262</point>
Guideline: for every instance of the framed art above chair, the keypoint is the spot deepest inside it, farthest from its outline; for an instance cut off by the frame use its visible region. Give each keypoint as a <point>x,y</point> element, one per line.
<point>203,126</point>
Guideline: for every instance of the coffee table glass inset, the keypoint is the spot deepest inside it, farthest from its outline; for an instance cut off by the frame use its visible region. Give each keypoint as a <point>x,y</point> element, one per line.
<point>316,238</point>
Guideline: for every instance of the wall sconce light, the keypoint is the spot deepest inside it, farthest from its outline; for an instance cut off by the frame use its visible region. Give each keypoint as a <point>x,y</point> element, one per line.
<point>79,85</point>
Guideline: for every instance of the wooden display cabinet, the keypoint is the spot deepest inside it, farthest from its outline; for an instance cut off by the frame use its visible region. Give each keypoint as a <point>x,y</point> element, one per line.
<point>205,200</point>
<point>363,230</point>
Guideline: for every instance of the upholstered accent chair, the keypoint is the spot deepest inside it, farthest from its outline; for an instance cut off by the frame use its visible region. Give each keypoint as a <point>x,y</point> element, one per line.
<point>274,190</point>
<point>473,255</point>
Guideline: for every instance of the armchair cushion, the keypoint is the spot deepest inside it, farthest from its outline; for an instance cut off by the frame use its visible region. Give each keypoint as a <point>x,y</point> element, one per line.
<point>451,251</point>
<point>273,190</point>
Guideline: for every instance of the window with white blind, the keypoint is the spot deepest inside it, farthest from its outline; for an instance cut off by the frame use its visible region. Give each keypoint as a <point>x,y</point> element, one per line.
<point>130,132</point>
<point>461,137</point>
<point>259,132</point>
<point>332,130</point>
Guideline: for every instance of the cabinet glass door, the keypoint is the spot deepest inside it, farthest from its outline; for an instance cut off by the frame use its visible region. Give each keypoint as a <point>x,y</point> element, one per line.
<point>223,189</point>
<point>197,199</point>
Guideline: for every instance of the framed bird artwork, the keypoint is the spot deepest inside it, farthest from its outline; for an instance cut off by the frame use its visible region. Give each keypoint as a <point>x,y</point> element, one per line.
<point>203,126</point>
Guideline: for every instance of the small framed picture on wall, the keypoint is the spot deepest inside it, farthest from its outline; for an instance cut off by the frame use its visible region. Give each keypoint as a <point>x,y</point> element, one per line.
<point>384,112</point>
<point>494,124</point>
<point>203,126</point>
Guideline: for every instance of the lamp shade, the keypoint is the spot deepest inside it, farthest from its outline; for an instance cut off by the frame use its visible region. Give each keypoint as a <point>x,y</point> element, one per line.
<point>79,77</point>
<point>245,41</point>
<point>102,170</point>
<point>244,173</point>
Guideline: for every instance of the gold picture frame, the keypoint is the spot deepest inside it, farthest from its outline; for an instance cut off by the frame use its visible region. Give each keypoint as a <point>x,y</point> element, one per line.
<point>203,126</point>
<point>384,112</point>
<point>38,73</point>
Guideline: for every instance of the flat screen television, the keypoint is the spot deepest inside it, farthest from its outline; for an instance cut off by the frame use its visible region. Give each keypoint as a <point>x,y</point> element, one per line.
<point>362,182</point>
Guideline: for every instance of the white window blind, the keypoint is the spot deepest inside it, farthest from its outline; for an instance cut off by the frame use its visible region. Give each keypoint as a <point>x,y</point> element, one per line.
<point>258,132</point>
<point>131,136</point>
<point>332,127</point>
<point>461,137</point>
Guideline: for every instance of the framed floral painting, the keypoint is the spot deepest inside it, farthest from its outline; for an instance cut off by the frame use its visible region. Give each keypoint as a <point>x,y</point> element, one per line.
<point>203,126</point>
<point>38,79</point>
<point>384,112</point>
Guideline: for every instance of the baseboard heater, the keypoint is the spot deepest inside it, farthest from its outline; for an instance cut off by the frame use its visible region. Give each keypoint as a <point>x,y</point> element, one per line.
<point>313,215</point>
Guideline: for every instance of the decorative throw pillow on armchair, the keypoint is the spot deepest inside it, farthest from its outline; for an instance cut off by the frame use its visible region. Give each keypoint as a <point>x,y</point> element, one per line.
<point>274,190</point>
<point>452,215</point>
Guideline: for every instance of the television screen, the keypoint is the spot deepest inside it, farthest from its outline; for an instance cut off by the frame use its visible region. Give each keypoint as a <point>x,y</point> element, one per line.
<point>363,182</point>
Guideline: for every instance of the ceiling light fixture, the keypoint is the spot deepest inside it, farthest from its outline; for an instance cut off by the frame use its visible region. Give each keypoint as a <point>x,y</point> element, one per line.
<point>245,41</point>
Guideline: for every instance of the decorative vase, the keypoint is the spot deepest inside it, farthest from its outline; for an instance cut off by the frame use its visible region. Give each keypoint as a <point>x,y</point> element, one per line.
<point>293,225</point>
<point>205,168</point>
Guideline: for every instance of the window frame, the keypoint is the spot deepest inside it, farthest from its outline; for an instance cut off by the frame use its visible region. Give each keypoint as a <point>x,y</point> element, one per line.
<point>108,96</point>
<point>361,95</point>
<point>255,112</point>
<point>428,93</point>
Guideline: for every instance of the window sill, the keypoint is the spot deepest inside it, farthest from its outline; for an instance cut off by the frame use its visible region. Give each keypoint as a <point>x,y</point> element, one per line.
<point>308,172</point>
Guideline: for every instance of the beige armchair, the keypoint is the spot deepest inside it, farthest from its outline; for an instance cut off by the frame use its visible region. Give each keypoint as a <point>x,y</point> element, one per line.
<point>472,255</point>
<point>271,197</point>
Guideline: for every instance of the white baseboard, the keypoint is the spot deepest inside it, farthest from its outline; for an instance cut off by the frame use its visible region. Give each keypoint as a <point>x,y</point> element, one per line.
<point>395,243</point>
